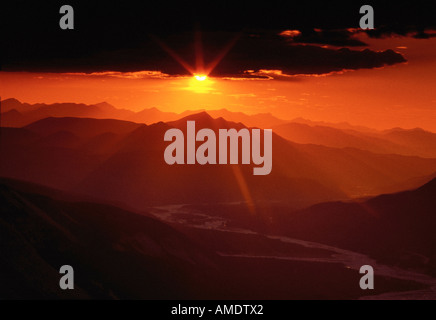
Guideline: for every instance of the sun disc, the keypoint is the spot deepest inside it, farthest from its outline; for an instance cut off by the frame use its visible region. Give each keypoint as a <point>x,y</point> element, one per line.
<point>200,77</point>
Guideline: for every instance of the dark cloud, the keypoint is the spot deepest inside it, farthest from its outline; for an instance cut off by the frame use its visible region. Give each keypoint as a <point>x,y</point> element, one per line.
<point>115,35</point>
<point>253,51</point>
<point>402,31</point>
<point>350,37</point>
<point>275,53</point>
<point>338,38</point>
<point>424,35</point>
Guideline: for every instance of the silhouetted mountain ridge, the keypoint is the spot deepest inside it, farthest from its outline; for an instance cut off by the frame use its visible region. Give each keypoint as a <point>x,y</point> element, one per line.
<point>416,142</point>
<point>83,127</point>
<point>123,161</point>
<point>28,113</point>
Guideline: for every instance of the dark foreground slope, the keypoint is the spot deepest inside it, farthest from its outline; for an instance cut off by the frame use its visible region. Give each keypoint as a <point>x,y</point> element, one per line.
<point>397,228</point>
<point>118,254</point>
<point>114,253</point>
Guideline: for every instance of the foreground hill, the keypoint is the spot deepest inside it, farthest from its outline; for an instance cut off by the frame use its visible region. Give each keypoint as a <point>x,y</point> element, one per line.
<point>117,254</point>
<point>398,228</point>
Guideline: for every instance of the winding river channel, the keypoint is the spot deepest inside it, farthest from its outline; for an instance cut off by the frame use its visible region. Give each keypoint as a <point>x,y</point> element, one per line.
<point>177,214</point>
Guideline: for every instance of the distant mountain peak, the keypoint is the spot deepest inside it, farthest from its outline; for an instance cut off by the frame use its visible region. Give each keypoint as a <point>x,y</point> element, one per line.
<point>9,104</point>
<point>200,116</point>
<point>104,104</point>
<point>11,100</point>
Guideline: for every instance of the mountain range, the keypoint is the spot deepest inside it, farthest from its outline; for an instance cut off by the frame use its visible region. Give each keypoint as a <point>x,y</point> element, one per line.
<point>17,114</point>
<point>79,182</point>
<point>413,142</point>
<point>409,142</point>
<point>123,161</point>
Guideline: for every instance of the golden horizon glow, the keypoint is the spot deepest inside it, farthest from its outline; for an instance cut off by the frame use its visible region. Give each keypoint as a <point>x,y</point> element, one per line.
<point>382,98</point>
<point>200,77</point>
<point>200,83</point>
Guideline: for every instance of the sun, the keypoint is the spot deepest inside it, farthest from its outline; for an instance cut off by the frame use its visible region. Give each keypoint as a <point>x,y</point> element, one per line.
<point>200,77</point>
<point>200,83</point>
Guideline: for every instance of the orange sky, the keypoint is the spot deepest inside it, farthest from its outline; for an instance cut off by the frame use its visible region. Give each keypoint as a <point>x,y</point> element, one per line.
<point>398,96</point>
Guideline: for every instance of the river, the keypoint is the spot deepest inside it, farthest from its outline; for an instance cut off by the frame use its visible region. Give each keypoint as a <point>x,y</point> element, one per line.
<point>177,214</point>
